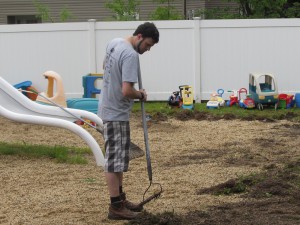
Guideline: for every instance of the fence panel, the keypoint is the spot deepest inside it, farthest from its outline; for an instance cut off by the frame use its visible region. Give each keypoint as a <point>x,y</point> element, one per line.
<point>207,54</point>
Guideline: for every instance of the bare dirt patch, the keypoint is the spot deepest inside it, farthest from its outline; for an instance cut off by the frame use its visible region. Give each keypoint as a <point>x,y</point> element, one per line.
<point>192,157</point>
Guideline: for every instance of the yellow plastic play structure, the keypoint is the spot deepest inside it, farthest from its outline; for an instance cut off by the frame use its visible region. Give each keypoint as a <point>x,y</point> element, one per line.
<point>187,96</point>
<point>54,80</point>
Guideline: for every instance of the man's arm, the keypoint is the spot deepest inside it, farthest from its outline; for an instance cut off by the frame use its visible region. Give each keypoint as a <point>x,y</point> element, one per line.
<point>129,91</point>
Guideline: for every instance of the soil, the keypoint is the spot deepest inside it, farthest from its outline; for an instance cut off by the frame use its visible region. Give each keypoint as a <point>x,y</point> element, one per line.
<point>212,170</point>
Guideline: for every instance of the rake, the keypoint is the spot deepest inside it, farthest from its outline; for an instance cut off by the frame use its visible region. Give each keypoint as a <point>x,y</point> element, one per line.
<point>157,193</point>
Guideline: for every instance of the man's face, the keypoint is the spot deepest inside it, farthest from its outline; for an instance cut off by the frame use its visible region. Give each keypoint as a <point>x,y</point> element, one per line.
<point>143,44</point>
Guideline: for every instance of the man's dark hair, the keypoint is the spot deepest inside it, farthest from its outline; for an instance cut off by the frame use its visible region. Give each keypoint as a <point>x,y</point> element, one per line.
<point>147,30</point>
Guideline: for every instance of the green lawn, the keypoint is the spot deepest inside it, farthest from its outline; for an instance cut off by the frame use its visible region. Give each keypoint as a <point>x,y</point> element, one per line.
<point>61,154</point>
<point>234,111</point>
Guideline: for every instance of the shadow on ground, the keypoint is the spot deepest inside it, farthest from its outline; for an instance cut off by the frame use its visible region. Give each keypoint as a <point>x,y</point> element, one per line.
<point>272,197</point>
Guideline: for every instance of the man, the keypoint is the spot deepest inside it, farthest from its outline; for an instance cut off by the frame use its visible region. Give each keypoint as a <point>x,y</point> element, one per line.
<point>121,72</point>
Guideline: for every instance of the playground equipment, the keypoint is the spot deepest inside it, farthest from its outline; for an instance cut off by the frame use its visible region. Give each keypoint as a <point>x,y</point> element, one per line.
<point>30,90</point>
<point>175,99</point>
<point>246,103</point>
<point>216,100</point>
<point>184,98</point>
<point>187,96</point>
<point>59,96</point>
<point>89,85</point>
<point>213,102</point>
<point>233,98</point>
<point>54,79</point>
<point>88,104</point>
<point>263,89</point>
<point>220,99</point>
<point>286,101</point>
<point>297,100</point>
<point>17,107</point>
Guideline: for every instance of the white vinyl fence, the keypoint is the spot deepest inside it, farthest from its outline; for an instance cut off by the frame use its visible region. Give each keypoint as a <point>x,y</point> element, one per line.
<point>206,54</point>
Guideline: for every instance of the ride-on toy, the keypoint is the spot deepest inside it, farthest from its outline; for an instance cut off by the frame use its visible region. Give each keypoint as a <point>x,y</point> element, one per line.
<point>187,96</point>
<point>233,98</point>
<point>216,100</point>
<point>286,101</point>
<point>246,103</point>
<point>175,99</point>
<point>263,89</point>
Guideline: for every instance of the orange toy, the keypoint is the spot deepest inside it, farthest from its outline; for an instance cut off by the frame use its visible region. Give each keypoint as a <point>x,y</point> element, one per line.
<point>32,93</point>
<point>58,97</point>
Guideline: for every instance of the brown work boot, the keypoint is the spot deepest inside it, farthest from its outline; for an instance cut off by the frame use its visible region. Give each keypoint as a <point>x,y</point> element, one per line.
<point>130,205</point>
<point>118,211</point>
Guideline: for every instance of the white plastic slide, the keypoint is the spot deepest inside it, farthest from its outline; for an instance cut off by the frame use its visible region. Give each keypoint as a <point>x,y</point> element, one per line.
<point>16,106</point>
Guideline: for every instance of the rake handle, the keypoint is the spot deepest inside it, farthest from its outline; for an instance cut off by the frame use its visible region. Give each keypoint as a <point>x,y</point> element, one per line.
<point>149,167</point>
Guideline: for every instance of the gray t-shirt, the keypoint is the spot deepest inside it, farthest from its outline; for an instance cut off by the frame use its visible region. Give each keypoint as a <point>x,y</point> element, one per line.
<point>121,64</point>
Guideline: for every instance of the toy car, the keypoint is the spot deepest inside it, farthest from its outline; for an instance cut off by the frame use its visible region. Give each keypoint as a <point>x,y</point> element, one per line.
<point>216,100</point>
<point>263,89</point>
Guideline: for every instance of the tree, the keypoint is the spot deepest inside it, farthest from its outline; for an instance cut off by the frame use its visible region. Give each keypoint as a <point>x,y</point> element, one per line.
<point>123,10</point>
<point>261,8</point>
<point>166,11</point>
<point>65,14</point>
<point>256,9</point>
<point>292,9</point>
<point>44,13</point>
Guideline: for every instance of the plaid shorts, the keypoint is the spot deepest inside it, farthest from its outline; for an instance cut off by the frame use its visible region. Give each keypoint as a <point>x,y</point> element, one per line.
<point>117,144</point>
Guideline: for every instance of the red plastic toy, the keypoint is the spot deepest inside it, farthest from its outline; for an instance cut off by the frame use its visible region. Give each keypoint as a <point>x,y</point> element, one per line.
<point>233,99</point>
<point>248,102</point>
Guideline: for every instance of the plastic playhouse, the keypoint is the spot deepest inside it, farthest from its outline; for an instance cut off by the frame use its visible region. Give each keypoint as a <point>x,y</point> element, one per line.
<point>89,84</point>
<point>263,89</point>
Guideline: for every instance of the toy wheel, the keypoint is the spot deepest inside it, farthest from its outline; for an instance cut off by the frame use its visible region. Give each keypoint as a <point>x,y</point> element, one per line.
<point>260,106</point>
<point>276,106</point>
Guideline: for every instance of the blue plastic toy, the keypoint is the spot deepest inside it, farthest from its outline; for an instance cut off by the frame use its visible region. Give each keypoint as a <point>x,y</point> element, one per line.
<point>88,82</point>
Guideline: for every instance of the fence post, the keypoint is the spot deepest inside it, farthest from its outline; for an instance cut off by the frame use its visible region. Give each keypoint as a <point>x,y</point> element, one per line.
<point>197,60</point>
<point>92,46</point>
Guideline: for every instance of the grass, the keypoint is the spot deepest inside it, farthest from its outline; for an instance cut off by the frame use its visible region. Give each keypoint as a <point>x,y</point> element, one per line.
<point>61,154</point>
<point>237,112</point>
<point>154,107</point>
<point>270,182</point>
<point>293,169</point>
<point>240,185</point>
